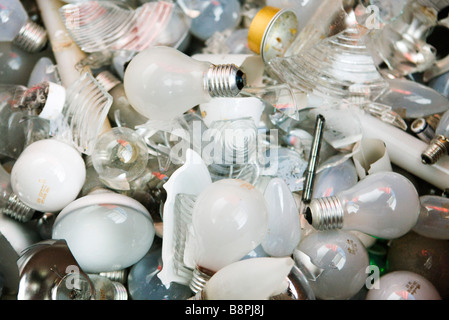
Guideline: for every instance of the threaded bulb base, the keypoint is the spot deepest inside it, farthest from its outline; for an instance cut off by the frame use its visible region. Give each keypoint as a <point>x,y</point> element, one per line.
<point>438,147</point>
<point>225,80</point>
<point>116,276</point>
<point>17,210</point>
<point>107,80</point>
<point>120,292</point>
<point>325,213</point>
<point>199,280</point>
<point>31,37</point>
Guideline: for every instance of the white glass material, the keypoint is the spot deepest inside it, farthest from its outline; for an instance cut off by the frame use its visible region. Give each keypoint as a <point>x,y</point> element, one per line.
<point>229,219</point>
<point>249,279</point>
<point>334,262</point>
<point>284,230</point>
<point>120,156</point>
<point>105,231</point>
<point>44,70</point>
<point>383,204</point>
<point>433,220</point>
<point>162,83</point>
<point>403,285</point>
<point>48,175</point>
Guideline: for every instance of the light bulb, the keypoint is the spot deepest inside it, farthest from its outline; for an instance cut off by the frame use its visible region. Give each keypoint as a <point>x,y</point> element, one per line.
<point>16,26</point>
<point>439,145</point>
<point>229,219</point>
<point>334,262</point>
<point>433,220</point>
<point>403,285</point>
<point>120,156</point>
<point>162,83</point>
<point>250,279</point>
<point>106,289</point>
<point>48,175</point>
<point>284,230</point>
<point>383,204</point>
<point>105,231</point>
<point>44,70</point>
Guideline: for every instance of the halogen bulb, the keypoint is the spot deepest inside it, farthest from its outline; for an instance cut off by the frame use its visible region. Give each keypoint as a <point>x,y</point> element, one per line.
<point>229,219</point>
<point>162,83</point>
<point>403,285</point>
<point>384,204</point>
<point>48,175</point>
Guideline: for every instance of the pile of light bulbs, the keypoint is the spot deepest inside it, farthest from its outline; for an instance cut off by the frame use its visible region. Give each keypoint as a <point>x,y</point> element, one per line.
<point>153,154</point>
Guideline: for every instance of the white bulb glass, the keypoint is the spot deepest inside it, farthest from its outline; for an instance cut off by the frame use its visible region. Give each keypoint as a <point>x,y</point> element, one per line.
<point>284,230</point>
<point>162,83</point>
<point>105,231</point>
<point>383,204</point>
<point>48,175</point>
<point>12,18</point>
<point>229,219</point>
<point>334,262</point>
<point>403,285</point>
<point>250,279</point>
<point>433,220</point>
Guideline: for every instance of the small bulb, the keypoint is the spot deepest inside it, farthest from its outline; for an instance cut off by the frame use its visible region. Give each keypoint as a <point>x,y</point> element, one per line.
<point>162,83</point>
<point>48,175</point>
<point>105,231</point>
<point>403,285</point>
<point>229,219</point>
<point>383,204</point>
<point>439,145</point>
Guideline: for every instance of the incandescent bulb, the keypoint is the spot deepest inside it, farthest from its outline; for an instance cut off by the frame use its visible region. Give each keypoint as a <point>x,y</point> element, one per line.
<point>383,204</point>
<point>162,83</point>
<point>105,231</point>
<point>403,285</point>
<point>16,26</point>
<point>433,220</point>
<point>439,145</point>
<point>48,175</point>
<point>229,219</point>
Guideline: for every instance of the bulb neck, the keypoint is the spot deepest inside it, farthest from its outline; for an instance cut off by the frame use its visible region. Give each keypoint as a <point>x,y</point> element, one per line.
<point>199,279</point>
<point>224,80</point>
<point>116,276</point>
<point>31,37</point>
<point>325,213</point>
<point>17,210</point>
<point>438,147</point>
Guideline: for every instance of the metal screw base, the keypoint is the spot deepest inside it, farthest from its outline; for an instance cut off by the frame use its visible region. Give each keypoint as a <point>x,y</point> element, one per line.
<point>438,147</point>
<point>31,37</point>
<point>325,213</point>
<point>225,80</point>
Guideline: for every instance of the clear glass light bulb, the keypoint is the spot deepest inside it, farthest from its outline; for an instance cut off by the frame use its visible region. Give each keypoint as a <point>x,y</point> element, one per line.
<point>105,231</point>
<point>383,204</point>
<point>284,230</point>
<point>403,285</point>
<point>334,262</point>
<point>48,175</point>
<point>106,289</point>
<point>439,145</point>
<point>249,279</point>
<point>162,83</point>
<point>16,26</point>
<point>433,220</point>
<point>229,219</point>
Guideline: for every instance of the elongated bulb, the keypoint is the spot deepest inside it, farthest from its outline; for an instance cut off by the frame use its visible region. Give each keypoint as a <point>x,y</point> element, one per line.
<point>16,26</point>
<point>439,145</point>
<point>384,204</point>
<point>403,285</point>
<point>229,219</point>
<point>250,279</point>
<point>162,83</point>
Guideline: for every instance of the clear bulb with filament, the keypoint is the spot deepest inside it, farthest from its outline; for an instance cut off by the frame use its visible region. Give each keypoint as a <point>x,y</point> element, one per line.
<point>439,145</point>
<point>16,26</point>
<point>162,83</point>
<point>229,219</point>
<point>383,204</point>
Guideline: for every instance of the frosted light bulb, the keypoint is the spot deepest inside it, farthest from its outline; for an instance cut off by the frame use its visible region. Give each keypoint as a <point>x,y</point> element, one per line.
<point>403,285</point>
<point>439,145</point>
<point>229,219</point>
<point>284,230</point>
<point>105,231</point>
<point>334,262</point>
<point>250,279</point>
<point>15,26</point>
<point>162,83</point>
<point>383,204</point>
<point>48,175</point>
<point>433,220</point>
